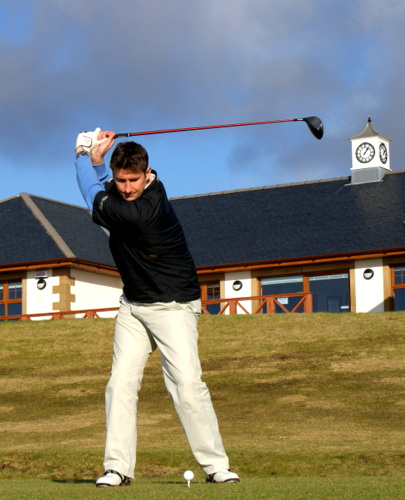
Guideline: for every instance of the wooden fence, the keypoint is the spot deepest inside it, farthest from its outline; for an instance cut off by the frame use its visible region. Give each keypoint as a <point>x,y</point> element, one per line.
<point>260,304</point>
<point>286,303</point>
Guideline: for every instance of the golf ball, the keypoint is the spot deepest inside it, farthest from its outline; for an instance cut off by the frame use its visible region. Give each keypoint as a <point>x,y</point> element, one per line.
<point>188,475</point>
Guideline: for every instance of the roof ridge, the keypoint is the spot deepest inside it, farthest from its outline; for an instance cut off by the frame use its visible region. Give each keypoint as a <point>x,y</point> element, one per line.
<point>57,238</point>
<point>10,198</point>
<point>261,188</point>
<point>57,201</point>
<point>275,186</point>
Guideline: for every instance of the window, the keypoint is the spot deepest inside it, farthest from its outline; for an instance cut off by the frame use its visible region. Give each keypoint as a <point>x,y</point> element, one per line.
<point>11,299</point>
<point>213,291</point>
<point>399,275</point>
<point>210,292</point>
<point>287,285</point>
<point>399,288</point>
<point>330,292</point>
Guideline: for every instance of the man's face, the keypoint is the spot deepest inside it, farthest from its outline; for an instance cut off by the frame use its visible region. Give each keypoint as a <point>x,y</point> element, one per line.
<point>131,183</point>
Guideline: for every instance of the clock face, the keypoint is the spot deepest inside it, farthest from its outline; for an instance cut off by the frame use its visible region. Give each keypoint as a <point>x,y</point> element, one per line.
<point>365,152</point>
<point>383,153</point>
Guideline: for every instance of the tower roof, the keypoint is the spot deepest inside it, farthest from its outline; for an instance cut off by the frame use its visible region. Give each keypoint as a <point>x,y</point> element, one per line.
<point>369,131</point>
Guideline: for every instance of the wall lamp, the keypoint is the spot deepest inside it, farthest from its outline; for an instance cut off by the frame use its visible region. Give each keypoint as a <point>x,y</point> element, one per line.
<point>237,285</point>
<point>41,284</point>
<point>368,274</point>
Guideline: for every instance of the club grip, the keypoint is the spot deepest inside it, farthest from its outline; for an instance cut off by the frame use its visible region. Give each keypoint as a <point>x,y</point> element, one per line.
<point>127,134</point>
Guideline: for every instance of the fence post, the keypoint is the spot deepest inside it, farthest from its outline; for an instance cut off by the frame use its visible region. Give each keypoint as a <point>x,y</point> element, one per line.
<point>308,303</point>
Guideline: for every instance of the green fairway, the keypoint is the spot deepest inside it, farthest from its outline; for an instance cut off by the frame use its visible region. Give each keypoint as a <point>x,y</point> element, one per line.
<point>361,488</point>
<point>309,405</point>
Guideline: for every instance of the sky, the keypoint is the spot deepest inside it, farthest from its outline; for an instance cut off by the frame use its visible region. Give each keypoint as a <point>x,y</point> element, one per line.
<point>140,65</point>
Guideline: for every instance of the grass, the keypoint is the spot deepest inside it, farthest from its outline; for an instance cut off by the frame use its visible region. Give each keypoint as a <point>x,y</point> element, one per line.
<point>363,488</point>
<point>309,406</point>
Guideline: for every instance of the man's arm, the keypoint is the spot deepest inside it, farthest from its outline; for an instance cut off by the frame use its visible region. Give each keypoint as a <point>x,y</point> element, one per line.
<point>103,173</point>
<point>91,170</point>
<point>87,179</point>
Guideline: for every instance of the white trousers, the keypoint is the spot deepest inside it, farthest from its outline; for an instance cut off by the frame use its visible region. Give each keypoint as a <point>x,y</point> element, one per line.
<point>139,330</point>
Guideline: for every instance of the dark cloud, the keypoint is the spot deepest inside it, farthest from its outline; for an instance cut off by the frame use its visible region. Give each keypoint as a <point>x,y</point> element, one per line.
<point>129,65</point>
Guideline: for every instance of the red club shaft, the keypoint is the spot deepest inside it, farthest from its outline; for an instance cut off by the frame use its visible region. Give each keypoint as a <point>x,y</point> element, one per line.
<point>314,124</point>
<point>130,134</point>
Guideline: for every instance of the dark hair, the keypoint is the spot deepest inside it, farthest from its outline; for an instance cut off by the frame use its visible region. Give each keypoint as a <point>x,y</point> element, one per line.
<point>129,156</point>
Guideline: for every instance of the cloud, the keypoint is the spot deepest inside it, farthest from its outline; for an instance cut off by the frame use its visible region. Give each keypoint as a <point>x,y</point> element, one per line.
<point>128,65</point>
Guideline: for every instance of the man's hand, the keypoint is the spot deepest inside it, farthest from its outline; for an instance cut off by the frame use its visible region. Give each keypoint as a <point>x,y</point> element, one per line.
<point>97,143</point>
<point>87,141</point>
<point>105,143</point>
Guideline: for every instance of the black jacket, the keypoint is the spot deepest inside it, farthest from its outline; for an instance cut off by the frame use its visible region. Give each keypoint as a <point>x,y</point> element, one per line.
<point>148,245</point>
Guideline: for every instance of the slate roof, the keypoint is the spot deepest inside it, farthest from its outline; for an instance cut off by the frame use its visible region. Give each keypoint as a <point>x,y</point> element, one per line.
<point>38,229</point>
<point>329,217</point>
<point>287,222</point>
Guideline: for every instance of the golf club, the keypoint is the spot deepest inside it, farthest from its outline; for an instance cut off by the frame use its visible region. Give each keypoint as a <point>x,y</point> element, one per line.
<point>315,125</point>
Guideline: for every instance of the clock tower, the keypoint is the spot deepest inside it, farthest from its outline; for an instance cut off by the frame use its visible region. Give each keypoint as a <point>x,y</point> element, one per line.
<point>370,155</point>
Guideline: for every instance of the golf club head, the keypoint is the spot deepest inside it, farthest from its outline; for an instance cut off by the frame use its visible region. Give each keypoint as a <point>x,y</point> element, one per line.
<point>315,125</point>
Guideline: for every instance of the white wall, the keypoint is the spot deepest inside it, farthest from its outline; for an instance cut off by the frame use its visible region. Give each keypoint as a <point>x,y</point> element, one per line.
<point>246,291</point>
<point>95,291</point>
<point>369,293</point>
<point>40,301</point>
<point>91,290</point>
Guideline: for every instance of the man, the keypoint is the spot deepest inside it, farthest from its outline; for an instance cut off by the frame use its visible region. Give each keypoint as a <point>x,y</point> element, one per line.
<point>159,308</point>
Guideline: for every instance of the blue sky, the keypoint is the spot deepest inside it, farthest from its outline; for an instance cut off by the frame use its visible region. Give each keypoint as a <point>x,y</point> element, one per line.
<point>135,65</point>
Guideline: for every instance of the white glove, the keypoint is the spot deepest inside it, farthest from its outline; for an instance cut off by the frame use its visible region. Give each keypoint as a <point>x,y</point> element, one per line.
<point>89,140</point>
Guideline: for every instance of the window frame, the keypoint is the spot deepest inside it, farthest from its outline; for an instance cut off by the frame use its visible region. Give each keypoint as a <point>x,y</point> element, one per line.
<point>306,276</point>
<point>396,286</point>
<point>5,300</point>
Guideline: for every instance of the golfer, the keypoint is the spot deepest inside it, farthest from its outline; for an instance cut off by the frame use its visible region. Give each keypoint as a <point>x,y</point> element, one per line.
<point>159,308</point>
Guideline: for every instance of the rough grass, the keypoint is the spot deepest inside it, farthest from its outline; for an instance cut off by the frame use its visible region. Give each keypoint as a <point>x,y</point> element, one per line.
<point>297,396</point>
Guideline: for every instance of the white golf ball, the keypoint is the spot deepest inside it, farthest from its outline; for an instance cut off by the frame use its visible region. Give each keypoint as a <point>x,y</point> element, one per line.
<point>188,475</point>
